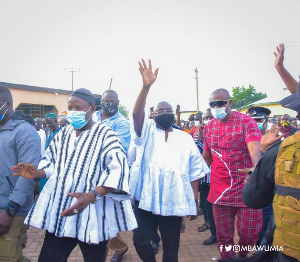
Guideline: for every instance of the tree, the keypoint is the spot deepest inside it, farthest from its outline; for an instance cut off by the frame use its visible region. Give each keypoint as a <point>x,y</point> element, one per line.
<point>242,96</point>
<point>124,111</point>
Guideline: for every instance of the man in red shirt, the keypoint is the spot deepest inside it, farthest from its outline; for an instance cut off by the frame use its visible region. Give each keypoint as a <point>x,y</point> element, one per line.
<point>231,143</point>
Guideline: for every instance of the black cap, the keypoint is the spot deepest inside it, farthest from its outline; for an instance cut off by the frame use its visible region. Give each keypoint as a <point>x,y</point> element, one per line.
<point>258,112</point>
<point>85,94</point>
<point>293,101</point>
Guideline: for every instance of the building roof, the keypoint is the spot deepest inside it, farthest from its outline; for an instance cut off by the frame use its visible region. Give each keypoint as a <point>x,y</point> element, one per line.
<point>36,88</point>
<point>40,89</point>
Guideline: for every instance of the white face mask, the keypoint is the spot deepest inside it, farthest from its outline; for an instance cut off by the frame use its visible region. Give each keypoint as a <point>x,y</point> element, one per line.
<point>197,124</point>
<point>206,121</point>
<point>219,113</point>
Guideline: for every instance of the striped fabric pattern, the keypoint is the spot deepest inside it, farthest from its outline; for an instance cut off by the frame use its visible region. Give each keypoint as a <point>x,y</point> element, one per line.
<point>95,158</point>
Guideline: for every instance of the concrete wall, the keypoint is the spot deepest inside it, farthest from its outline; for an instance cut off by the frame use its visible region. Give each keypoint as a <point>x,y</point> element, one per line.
<point>40,98</point>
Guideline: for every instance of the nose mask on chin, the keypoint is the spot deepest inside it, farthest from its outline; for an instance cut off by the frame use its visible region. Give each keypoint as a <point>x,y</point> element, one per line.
<point>164,121</point>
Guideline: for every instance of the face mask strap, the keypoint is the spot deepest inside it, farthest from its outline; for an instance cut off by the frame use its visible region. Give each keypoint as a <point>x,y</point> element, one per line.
<point>4,105</point>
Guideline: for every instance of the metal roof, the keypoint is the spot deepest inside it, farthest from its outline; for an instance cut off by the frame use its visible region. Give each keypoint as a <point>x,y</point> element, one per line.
<point>36,88</point>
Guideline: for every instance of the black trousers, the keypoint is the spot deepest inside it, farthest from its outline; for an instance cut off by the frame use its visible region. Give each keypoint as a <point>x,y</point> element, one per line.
<point>207,207</point>
<point>58,249</point>
<point>169,227</point>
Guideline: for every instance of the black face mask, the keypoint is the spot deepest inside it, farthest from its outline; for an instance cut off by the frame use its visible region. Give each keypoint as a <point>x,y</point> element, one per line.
<point>110,108</point>
<point>164,121</point>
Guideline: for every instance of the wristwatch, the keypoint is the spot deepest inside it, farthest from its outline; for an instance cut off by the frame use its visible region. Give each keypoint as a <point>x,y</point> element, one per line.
<point>97,196</point>
<point>11,209</point>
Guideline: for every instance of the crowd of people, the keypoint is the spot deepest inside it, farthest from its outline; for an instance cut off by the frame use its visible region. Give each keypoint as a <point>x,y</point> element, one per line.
<point>88,177</point>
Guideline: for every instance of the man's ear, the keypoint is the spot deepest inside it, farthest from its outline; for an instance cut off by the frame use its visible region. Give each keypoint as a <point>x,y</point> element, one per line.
<point>230,103</point>
<point>93,109</point>
<point>9,103</point>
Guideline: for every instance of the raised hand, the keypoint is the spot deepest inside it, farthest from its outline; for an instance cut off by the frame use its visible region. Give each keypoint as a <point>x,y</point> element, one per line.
<point>279,55</point>
<point>147,75</point>
<point>26,170</point>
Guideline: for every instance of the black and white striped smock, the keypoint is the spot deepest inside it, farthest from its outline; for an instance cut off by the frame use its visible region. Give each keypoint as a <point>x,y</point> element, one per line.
<point>95,158</point>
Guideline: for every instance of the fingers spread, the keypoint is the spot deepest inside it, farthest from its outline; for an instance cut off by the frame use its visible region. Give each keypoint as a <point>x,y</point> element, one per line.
<point>141,66</point>
<point>144,64</point>
<point>150,65</point>
<point>278,50</point>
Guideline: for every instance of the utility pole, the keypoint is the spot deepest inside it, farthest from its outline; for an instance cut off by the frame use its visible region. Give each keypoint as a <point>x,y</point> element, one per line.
<point>197,91</point>
<point>72,70</point>
<point>110,84</point>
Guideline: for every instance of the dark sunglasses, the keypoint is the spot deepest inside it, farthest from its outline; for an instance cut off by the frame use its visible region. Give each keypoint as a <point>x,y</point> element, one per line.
<point>218,103</point>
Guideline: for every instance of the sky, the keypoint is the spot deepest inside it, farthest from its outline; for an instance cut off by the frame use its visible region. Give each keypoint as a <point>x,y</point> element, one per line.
<point>231,42</point>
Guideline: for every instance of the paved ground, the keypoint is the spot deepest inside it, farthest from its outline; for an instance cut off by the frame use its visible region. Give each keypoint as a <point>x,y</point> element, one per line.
<point>191,248</point>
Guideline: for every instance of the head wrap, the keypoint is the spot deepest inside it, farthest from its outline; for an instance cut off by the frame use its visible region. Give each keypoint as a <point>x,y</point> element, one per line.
<point>51,115</point>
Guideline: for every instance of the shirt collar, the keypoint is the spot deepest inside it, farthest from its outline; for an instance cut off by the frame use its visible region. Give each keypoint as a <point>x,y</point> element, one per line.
<point>99,113</point>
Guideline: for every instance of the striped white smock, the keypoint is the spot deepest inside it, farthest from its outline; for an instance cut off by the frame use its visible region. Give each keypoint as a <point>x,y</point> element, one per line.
<point>80,164</point>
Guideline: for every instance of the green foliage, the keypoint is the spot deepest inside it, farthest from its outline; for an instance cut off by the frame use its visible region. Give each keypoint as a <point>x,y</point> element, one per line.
<point>242,96</point>
<point>124,111</point>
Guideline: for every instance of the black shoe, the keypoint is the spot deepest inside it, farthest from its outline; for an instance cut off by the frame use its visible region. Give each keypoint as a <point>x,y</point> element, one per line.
<point>211,240</point>
<point>155,247</point>
<point>118,257</point>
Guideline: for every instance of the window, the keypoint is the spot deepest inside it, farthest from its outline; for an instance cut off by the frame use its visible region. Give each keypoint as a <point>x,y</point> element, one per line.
<point>36,110</point>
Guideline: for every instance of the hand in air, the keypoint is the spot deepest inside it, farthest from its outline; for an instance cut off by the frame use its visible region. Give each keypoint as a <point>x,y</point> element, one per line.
<point>28,171</point>
<point>270,137</point>
<point>147,75</point>
<point>279,55</point>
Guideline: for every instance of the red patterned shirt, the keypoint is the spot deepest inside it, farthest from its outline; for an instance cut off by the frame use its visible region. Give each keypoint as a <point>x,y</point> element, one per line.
<point>227,141</point>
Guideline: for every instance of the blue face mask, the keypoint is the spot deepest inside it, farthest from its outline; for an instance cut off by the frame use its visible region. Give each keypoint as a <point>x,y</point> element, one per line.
<point>219,113</point>
<point>77,118</point>
<point>2,115</point>
<point>260,126</point>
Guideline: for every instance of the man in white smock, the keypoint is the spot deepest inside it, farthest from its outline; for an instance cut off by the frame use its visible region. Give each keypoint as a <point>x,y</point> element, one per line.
<point>86,198</point>
<point>164,178</point>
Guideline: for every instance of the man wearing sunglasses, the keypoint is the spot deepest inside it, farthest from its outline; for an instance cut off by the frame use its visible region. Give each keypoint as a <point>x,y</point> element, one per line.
<point>231,143</point>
